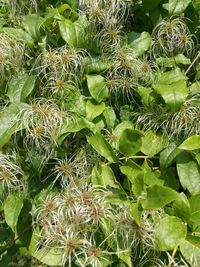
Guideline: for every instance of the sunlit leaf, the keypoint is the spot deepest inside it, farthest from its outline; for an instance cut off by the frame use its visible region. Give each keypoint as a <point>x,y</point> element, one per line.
<point>190,249</point>
<point>191,143</point>
<point>20,87</point>
<point>97,87</point>
<point>12,209</point>
<point>9,123</point>
<point>140,43</point>
<point>170,232</point>
<point>173,88</point>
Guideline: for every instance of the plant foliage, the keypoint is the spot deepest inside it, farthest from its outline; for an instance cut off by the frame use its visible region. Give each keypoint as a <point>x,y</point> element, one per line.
<point>99,133</point>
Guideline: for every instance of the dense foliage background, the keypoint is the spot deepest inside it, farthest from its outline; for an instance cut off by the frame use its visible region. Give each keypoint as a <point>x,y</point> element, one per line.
<point>99,133</point>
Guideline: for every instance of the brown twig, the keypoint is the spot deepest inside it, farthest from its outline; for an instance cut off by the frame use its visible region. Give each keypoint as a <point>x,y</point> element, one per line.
<point>192,64</point>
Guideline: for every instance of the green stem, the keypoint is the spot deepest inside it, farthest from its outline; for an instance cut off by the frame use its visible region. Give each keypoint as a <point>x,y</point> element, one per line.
<point>173,255</point>
<point>126,158</point>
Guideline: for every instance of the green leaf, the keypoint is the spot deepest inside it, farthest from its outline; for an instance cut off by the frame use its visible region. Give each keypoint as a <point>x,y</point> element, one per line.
<point>109,177</point>
<point>190,249</point>
<point>95,65</point>
<point>49,256</point>
<point>188,173</point>
<point>176,7</point>
<point>140,44</point>
<point>99,125</point>
<point>153,143</point>
<point>9,123</point>
<point>126,257</point>
<point>168,156</point>
<point>105,177</point>
<point>182,207</point>
<point>170,232</point>
<point>119,130</point>
<point>197,157</point>
<point>170,62</point>
<point>195,209</point>
<point>93,111</point>
<point>147,96</point>
<point>169,176</point>
<point>74,33</point>
<point>172,76</point>
<point>75,125</point>
<point>110,117</point>
<point>191,143</point>
<point>173,88</point>
<point>102,147</point>
<point>32,24</point>
<point>195,87</point>
<point>138,184</point>
<point>152,177</point>
<point>136,211</point>
<point>68,32</point>
<point>19,35</point>
<point>20,87</point>
<point>130,142</point>
<point>131,169</point>
<point>150,5</point>
<point>158,196</point>
<point>97,87</point>
<point>12,208</point>
<point>196,4</point>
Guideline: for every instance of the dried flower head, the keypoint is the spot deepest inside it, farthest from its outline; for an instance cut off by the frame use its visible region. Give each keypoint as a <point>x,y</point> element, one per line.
<point>10,173</point>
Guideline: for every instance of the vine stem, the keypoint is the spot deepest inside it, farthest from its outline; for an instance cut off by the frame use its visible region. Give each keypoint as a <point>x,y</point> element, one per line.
<point>126,158</point>
<point>12,242</point>
<point>172,257</point>
<point>192,64</point>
